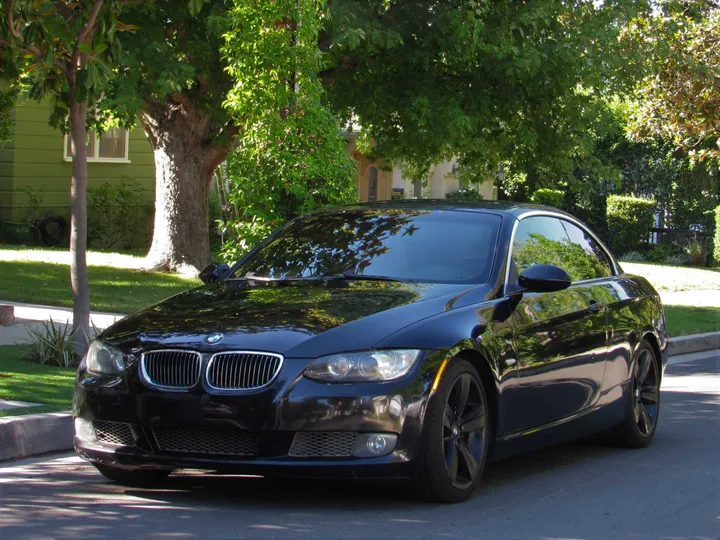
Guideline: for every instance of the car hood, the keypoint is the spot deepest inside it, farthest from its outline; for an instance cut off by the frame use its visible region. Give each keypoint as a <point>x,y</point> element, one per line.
<point>298,319</point>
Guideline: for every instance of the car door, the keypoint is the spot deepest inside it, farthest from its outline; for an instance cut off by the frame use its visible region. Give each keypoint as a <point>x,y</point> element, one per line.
<point>560,338</point>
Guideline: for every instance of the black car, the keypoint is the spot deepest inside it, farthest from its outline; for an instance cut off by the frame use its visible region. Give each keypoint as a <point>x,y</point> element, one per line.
<point>408,340</point>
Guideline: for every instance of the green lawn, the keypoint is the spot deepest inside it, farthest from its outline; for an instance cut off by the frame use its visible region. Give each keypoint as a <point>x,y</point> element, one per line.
<point>687,320</point>
<point>676,278</point>
<point>22,380</point>
<point>115,290</point>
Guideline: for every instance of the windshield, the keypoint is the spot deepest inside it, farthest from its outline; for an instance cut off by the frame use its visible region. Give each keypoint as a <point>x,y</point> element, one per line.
<point>423,246</point>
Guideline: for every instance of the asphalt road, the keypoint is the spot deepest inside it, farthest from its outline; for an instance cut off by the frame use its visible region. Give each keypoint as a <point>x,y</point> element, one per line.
<point>576,491</point>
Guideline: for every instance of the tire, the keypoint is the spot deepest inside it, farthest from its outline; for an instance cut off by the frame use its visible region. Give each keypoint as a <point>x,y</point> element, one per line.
<point>134,478</point>
<point>455,437</point>
<point>642,409</point>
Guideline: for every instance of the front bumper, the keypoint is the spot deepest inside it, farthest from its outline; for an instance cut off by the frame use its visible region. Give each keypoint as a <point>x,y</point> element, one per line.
<point>292,405</point>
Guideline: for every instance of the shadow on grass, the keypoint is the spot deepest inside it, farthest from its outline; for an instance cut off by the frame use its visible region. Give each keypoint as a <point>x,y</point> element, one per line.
<point>116,290</point>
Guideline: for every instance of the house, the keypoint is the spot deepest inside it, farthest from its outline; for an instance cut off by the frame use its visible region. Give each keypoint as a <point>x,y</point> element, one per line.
<point>375,182</point>
<point>36,167</point>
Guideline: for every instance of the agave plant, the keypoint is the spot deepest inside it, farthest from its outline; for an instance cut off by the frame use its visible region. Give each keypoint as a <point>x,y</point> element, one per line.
<point>52,344</point>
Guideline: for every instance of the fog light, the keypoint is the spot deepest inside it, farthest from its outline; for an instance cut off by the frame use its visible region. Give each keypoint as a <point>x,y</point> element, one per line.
<point>374,444</point>
<point>84,430</point>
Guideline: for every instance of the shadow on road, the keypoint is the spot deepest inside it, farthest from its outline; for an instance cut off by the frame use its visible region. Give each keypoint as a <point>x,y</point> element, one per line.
<point>67,498</point>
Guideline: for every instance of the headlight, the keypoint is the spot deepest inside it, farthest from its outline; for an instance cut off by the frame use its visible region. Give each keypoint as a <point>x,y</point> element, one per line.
<point>363,366</point>
<point>102,358</point>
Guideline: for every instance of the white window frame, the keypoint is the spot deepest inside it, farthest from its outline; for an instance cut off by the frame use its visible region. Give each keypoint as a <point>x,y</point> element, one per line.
<point>68,158</point>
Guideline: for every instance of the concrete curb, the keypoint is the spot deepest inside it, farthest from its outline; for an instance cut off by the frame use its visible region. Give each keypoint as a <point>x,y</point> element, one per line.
<point>35,434</point>
<point>696,343</point>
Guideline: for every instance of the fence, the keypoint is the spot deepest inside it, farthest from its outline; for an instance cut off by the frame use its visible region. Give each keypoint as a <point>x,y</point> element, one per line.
<point>683,238</point>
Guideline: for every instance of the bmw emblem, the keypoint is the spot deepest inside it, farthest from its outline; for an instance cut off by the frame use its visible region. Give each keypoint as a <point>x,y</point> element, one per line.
<point>213,339</point>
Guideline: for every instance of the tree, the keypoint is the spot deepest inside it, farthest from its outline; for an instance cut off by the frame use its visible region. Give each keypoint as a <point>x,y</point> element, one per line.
<point>290,156</point>
<point>66,50</point>
<point>484,81</point>
<point>679,99</point>
<point>174,80</point>
<point>428,80</point>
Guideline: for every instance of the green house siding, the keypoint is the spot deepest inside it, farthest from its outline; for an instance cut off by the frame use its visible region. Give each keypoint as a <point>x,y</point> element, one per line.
<point>40,166</point>
<point>7,166</point>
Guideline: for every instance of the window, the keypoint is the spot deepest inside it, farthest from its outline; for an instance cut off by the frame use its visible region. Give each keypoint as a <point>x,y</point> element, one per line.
<point>372,184</point>
<point>550,240</point>
<point>597,263</point>
<point>422,246</point>
<point>110,146</point>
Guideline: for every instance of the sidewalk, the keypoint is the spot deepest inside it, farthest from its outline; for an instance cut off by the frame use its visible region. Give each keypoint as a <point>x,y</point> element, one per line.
<point>31,316</point>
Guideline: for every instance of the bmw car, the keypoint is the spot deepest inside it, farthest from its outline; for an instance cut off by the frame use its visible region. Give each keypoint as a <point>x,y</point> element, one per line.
<point>412,340</point>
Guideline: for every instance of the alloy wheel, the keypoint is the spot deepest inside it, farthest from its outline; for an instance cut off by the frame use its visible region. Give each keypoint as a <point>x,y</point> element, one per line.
<point>646,392</point>
<point>464,431</point>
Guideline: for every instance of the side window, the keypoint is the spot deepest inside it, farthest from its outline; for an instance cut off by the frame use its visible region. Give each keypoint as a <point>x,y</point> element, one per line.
<point>539,240</point>
<point>549,240</point>
<point>589,258</point>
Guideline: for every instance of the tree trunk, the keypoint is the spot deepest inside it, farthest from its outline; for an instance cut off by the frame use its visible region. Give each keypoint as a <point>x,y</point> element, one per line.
<point>78,231</point>
<point>184,165</point>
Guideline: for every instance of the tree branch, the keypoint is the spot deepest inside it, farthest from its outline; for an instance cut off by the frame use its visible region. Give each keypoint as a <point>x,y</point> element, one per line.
<point>14,32</point>
<point>90,23</point>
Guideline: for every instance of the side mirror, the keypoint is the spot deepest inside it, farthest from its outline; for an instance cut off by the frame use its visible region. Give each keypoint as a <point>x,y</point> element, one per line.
<point>544,278</point>
<point>214,272</point>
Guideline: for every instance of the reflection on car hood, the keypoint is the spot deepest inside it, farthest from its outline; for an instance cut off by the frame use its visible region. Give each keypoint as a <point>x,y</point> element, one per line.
<point>303,319</point>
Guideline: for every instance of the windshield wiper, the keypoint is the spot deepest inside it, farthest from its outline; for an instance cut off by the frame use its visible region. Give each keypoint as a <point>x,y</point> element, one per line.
<point>252,277</point>
<point>368,277</point>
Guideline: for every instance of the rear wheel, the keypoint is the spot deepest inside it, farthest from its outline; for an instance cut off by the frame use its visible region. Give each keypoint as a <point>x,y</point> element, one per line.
<point>134,478</point>
<point>455,437</point>
<point>643,404</point>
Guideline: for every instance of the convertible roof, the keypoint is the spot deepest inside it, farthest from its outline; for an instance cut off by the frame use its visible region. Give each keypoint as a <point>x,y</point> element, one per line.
<point>515,209</point>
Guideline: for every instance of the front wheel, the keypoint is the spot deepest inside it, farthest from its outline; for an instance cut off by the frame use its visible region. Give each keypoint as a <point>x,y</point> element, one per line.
<point>455,437</point>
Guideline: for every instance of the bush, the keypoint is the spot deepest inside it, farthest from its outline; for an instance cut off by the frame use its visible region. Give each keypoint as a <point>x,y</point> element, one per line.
<point>629,222</point>
<point>52,345</point>
<point>114,214</point>
<point>681,259</point>
<point>548,197</point>
<point>633,256</point>
<point>717,234</point>
<point>465,194</point>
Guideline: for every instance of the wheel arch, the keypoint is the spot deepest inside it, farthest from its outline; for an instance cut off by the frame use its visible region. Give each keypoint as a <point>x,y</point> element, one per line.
<point>652,339</point>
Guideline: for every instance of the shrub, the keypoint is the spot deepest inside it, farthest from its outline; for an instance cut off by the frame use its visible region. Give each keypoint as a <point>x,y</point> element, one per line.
<point>548,197</point>
<point>681,259</point>
<point>633,256</point>
<point>465,194</point>
<point>52,345</point>
<point>717,234</point>
<point>114,214</point>
<point>629,222</point>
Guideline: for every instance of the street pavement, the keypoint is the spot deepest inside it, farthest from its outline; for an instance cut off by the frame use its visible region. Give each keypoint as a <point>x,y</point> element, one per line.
<point>583,490</point>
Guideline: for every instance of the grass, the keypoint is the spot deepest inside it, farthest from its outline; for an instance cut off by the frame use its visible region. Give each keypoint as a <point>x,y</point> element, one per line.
<point>114,290</point>
<point>23,380</point>
<point>688,320</point>
<point>676,278</point>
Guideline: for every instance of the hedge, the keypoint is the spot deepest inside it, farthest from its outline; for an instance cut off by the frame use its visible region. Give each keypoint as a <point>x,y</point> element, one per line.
<point>548,197</point>
<point>629,222</point>
<point>717,234</point>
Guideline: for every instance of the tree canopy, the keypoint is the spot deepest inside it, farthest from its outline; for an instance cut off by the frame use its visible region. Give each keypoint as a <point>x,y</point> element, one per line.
<point>679,98</point>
